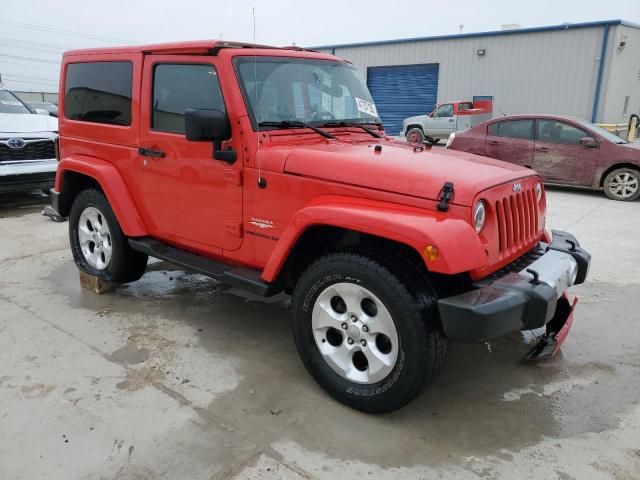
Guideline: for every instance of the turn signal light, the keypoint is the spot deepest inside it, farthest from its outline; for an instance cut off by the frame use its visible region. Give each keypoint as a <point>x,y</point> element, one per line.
<point>431,253</point>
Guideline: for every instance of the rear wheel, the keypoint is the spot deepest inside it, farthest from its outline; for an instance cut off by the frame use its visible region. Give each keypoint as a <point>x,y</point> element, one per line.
<point>362,335</point>
<point>98,245</point>
<point>415,135</point>
<point>622,184</point>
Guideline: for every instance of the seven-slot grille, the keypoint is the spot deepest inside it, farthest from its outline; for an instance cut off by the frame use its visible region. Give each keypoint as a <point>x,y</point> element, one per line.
<point>517,216</point>
<point>40,150</point>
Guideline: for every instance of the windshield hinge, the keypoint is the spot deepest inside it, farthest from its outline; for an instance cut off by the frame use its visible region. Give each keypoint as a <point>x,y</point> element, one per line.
<point>446,194</point>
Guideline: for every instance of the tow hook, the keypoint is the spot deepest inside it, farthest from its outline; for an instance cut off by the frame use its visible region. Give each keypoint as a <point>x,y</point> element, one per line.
<point>557,330</point>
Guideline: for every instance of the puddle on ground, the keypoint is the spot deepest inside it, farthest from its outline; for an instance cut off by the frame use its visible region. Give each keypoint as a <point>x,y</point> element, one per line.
<point>130,354</point>
<point>583,389</point>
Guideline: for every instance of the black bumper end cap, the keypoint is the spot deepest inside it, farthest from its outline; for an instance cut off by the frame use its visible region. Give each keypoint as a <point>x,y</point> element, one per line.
<point>508,305</point>
<point>567,243</point>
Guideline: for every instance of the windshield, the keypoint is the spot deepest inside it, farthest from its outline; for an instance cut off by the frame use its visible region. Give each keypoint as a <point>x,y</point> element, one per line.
<point>9,103</point>
<point>606,134</point>
<point>284,89</point>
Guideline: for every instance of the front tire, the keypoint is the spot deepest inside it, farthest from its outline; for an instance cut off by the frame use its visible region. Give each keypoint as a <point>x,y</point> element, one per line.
<point>622,184</point>
<point>368,341</point>
<point>415,135</point>
<point>98,245</point>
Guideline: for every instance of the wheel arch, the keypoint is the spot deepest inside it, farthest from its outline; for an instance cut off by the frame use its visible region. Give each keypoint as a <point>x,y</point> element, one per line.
<point>633,166</point>
<point>415,125</point>
<point>342,223</point>
<point>80,172</point>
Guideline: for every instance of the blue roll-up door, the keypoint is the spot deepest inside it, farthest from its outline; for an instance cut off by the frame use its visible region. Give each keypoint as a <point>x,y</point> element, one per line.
<point>403,91</point>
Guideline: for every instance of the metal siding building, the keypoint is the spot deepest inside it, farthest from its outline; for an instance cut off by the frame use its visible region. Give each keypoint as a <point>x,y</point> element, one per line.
<point>557,69</point>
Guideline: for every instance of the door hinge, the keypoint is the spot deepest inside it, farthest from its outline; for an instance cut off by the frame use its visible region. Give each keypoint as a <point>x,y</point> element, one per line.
<point>234,177</point>
<point>234,229</point>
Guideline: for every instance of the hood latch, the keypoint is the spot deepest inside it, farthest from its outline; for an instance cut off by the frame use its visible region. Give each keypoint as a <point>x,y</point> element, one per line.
<point>446,194</point>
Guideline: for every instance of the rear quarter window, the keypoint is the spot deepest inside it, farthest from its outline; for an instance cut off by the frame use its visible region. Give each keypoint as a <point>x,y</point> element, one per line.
<point>99,92</point>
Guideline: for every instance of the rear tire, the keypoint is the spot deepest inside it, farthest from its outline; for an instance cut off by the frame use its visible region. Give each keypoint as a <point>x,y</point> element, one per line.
<point>98,245</point>
<point>622,184</point>
<point>396,346</point>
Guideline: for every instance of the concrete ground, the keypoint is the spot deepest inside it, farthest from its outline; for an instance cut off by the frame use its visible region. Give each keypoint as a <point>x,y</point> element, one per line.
<point>178,377</point>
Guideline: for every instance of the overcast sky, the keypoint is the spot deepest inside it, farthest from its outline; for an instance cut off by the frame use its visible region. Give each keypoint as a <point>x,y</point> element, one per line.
<point>33,33</point>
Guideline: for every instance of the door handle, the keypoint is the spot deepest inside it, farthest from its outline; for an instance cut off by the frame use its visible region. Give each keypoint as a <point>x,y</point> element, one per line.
<point>542,149</point>
<point>150,153</point>
<point>451,120</point>
<point>493,142</point>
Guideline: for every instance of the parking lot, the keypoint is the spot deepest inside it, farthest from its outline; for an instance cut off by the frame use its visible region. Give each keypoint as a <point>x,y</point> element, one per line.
<point>176,376</point>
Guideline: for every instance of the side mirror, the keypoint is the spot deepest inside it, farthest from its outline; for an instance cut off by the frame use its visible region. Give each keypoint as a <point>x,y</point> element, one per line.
<point>588,142</point>
<point>41,111</point>
<point>209,125</point>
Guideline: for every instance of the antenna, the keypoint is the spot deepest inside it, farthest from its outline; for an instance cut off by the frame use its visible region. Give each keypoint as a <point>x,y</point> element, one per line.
<point>261,181</point>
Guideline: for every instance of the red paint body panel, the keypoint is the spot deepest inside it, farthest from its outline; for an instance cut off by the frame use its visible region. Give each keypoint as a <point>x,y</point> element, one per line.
<point>514,150</point>
<point>407,225</point>
<point>397,168</point>
<point>113,185</point>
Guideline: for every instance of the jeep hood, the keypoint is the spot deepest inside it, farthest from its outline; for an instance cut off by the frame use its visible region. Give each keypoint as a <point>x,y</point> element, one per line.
<point>17,123</point>
<point>397,168</point>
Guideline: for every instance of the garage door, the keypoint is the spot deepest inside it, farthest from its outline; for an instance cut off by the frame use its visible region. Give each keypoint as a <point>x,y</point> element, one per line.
<point>403,91</point>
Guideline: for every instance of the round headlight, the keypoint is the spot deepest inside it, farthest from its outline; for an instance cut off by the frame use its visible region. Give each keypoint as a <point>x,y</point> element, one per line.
<point>450,139</point>
<point>479,215</point>
<point>539,191</point>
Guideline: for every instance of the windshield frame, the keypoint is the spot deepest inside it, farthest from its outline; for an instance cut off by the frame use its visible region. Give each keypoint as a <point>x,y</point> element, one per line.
<point>237,60</point>
<point>29,109</point>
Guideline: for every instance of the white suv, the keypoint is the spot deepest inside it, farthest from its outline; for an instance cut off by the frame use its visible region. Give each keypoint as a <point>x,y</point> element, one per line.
<point>28,141</point>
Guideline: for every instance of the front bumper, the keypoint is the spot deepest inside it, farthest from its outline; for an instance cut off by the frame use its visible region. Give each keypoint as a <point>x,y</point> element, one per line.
<point>28,175</point>
<point>526,300</point>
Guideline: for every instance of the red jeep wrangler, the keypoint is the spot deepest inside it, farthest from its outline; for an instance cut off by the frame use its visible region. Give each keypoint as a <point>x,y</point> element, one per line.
<point>268,168</point>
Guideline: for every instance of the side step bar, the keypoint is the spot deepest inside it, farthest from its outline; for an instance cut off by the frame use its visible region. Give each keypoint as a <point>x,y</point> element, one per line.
<point>241,277</point>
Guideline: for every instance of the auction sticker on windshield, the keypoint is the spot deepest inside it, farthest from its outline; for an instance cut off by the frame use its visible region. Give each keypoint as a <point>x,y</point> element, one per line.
<point>366,107</point>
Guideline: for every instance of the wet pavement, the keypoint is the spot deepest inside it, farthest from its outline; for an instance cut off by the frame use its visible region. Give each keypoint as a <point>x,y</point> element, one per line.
<point>177,376</point>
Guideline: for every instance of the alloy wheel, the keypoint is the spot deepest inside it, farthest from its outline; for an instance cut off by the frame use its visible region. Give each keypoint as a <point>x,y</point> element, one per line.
<point>95,238</point>
<point>355,333</point>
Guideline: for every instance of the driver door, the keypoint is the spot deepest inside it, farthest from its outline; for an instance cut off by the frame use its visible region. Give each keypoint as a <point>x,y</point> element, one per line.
<point>187,197</point>
<point>560,157</point>
<point>442,123</point>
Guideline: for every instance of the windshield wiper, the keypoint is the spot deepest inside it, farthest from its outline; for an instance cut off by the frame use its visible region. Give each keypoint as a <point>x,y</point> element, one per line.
<point>296,124</point>
<point>373,133</point>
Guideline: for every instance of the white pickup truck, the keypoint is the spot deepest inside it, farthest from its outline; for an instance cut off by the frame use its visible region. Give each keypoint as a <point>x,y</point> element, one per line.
<point>447,118</point>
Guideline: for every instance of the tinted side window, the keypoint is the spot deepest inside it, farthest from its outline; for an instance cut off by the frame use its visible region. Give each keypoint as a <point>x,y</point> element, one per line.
<point>513,129</point>
<point>559,132</point>
<point>177,87</point>
<point>99,92</point>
